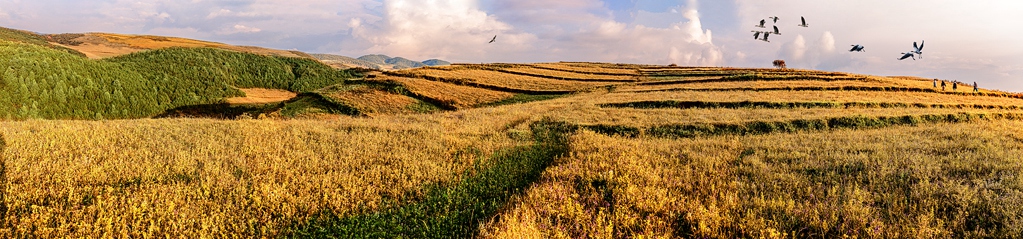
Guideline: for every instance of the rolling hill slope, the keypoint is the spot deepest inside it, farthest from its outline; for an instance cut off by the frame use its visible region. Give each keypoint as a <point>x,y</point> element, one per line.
<point>105,45</point>
<point>46,83</point>
<point>545,150</point>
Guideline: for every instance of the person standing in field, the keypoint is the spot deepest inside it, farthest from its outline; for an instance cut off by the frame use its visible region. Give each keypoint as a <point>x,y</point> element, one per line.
<point>942,85</point>
<point>955,86</point>
<point>975,89</point>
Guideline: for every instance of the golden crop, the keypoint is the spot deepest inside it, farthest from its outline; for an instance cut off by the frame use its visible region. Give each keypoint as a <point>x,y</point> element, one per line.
<point>461,97</point>
<point>567,74</point>
<point>585,69</point>
<point>210,178</point>
<point>508,80</point>
<point>899,182</point>
<point>954,175</point>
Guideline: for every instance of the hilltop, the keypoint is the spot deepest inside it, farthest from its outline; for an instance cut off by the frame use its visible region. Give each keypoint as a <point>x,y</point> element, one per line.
<point>500,150</point>
<point>106,45</point>
<point>376,62</point>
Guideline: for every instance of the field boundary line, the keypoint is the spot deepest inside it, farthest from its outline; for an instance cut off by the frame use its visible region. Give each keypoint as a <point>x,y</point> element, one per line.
<point>836,88</point>
<point>790,126</point>
<point>471,83</point>
<point>791,105</point>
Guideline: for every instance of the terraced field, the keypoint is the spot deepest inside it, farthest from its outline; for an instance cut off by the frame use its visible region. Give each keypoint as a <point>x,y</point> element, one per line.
<point>549,150</point>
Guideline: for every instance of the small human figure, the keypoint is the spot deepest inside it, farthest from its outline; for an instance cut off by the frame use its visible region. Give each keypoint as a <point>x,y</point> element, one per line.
<point>935,82</point>
<point>975,89</point>
<point>955,86</point>
<point>942,85</point>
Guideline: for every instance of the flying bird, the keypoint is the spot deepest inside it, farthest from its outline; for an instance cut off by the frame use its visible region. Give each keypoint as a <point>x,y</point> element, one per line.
<point>804,22</point>
<point>776,32</point>
<point>775,18</point>
<point>766,34</point>
<point>858,48</point>
<point>907,55</point>
<point>756,35</point>
<point>919,50</point>
<point>762,22</point>
<point>493,39</point>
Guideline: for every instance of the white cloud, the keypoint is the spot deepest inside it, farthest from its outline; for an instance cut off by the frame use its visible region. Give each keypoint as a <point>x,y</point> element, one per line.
<point>435,29</point>
<point>238,29</point>
<point>794,50</point>
<point>534,31</point>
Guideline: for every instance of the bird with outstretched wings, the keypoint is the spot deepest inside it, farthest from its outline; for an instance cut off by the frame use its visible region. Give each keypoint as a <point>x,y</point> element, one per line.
<point>492,40</point>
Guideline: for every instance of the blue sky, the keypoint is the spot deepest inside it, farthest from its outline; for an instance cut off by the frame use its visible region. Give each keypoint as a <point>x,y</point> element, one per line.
<point>966,40</point>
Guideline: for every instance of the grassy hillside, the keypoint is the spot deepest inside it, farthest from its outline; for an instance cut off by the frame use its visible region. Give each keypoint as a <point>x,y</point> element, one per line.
<point>106,45</point>
<point>402,63</point>
<point>32,38</point>
<point>375,59</point>
<point>550,150</point>
<point>436,62</point>
<point>346,61</point>
<point>40,82</point>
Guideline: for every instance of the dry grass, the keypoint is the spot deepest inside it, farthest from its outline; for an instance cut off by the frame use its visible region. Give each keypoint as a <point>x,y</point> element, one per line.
<point>261,96</point>
<point>197,178</point>
<point>753,85</point>
<point>527,70</point>
<point>938,181</point>
<point>808,96</point>
<point>461,97</point>
<point>654,117</point>
<point>207,178</point>
<point>584,69</point>
<point>104,45</point>
<point>374,101</point>
<point>506,80</point>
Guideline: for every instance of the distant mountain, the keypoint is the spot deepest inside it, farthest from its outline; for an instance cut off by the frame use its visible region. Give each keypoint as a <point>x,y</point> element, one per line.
<point>345,62</point>
<point>402,63</point>
<point>436,62</point>
<point>376,59</point>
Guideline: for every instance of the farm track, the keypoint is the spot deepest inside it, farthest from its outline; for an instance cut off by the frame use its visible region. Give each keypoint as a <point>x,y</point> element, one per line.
<point>454,212</point>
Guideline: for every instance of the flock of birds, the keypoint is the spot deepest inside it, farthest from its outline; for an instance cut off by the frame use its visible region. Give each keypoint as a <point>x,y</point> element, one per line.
<point>917,50</point>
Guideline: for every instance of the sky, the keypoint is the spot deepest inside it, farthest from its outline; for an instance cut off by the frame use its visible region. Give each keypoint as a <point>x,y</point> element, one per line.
<point>964,40</point>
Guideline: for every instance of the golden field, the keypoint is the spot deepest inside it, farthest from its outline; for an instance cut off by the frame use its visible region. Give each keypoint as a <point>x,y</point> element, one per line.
<point>500,163</point>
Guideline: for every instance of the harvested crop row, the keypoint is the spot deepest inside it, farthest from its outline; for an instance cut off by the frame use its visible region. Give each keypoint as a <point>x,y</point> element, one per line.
<point>878,183</point>
<point>712,84</point>
<point>586,70</point>
<point>595,115</point>
<point>456,96</point>
<point>843,88</point>
<point>374,101</point>
<point>795,96</point>
<point>565,75</point>
<point>506,80</point>
<point>766,127</point>
<point>791,105</point>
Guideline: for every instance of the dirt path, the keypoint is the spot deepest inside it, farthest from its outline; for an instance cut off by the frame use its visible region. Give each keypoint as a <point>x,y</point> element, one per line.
<point>262,96</point>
